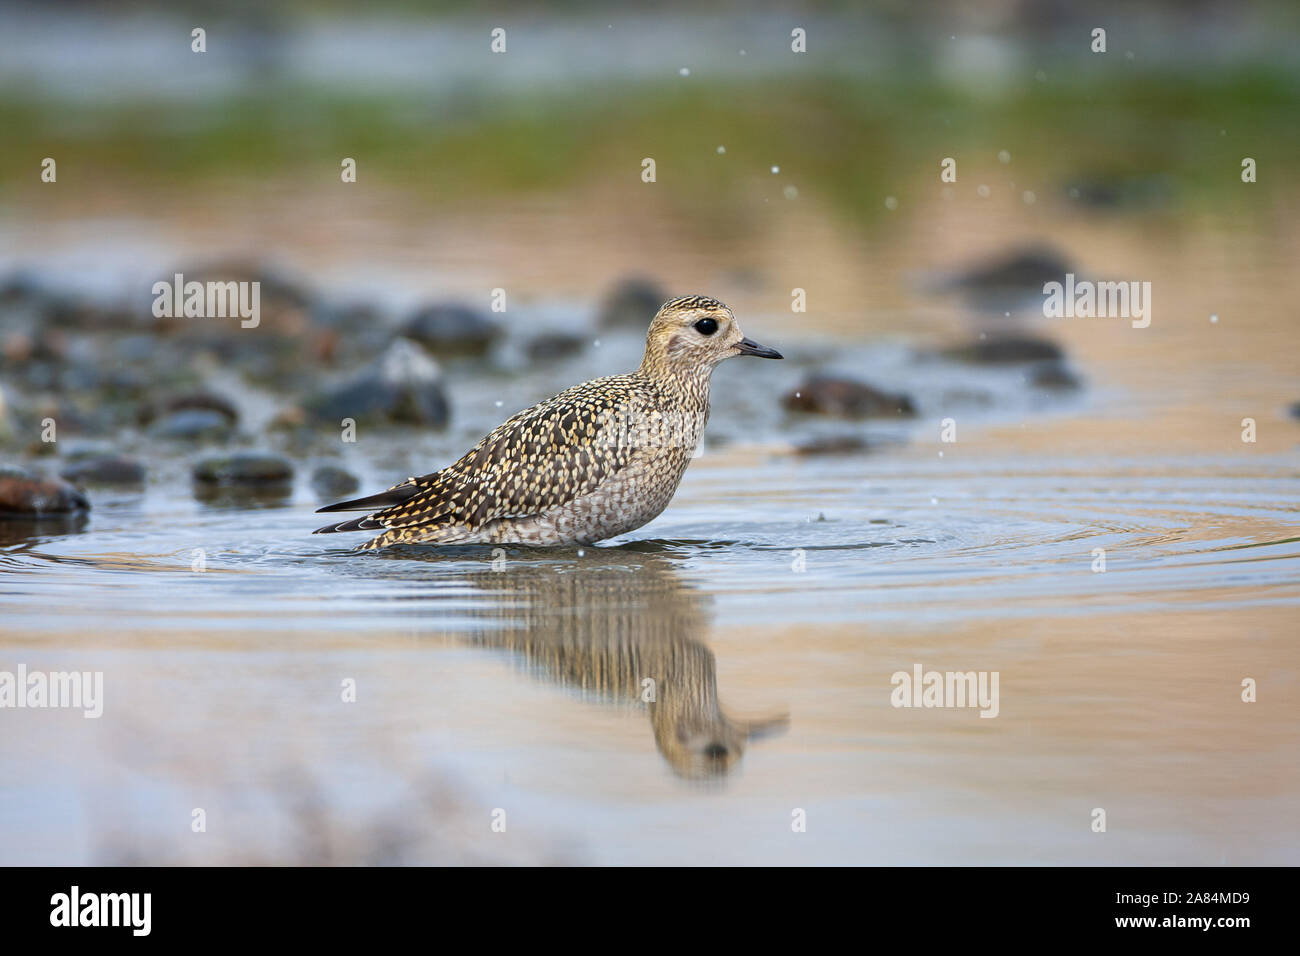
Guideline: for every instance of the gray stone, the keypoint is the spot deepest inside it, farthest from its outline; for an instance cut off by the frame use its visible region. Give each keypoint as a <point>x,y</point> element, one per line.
<point>244,468</point>
<point>452,330</point>
<point>632,304</point>
<point>845,398</point>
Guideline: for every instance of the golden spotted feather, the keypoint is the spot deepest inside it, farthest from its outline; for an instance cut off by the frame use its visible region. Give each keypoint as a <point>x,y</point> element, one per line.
<point>542,458</point>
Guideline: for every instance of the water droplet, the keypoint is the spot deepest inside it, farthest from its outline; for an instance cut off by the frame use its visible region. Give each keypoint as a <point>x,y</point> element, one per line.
<point>721,150</point>
<point>684,71</point>
<point>791,192</point>
<point>1004,157</point>
<point>891,203</point>
<point>1214,319</point>
<point>775,170</point>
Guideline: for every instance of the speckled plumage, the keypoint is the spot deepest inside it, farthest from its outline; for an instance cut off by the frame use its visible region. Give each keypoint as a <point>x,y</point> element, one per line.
<point>598,460</point>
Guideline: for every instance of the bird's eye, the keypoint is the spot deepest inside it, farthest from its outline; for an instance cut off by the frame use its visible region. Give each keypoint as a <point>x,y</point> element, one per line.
<point>706,326</point>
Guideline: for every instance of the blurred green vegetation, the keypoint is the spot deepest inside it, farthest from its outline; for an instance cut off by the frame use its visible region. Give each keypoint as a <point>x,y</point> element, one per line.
<point>842,140</point>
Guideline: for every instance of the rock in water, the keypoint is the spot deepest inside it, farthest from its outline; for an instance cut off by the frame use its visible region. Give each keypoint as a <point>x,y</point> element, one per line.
<point>1054,376</point>
<point>331,481</point>
<point>25,497</point>
<point>451,330</point>
<point>554,345</point>
<point>1024,270</point>
<point>206,401</point>
<point>1010,283</point>
<point>845,398</point>
<point>403,387</point>
<point>191,424</point>
<point>1007,350</point>
<point>246,468</point>
<point>105,470</point>
<point>631,303</point>
<point>190,417</point>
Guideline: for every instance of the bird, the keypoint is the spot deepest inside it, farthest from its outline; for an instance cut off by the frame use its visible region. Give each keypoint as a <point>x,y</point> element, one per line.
<point>598,460</point>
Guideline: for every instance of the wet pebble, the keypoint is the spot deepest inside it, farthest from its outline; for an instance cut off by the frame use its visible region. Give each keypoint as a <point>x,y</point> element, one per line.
<point>452,330</point>
<point>23,496</point>
<point>244,468</point>
<point>191,424</point>
<point>555,345</point>
<point>193,416</point>
<point>105,470</point>
<point>1024,270</point>
<point>1054,376</point>
<point>403,387</point>
<point>1010,283</point>
<point>190,401</point>
<point>846,398</point>
<point>1007,350</point>
<point>632,304</point>
<point>331,481</point>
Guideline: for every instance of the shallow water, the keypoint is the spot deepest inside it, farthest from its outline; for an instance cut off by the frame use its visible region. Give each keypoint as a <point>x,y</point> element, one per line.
<point>509,679</point>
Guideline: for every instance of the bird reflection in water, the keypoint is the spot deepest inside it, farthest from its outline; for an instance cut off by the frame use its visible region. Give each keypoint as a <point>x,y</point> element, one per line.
<point>618,626</point>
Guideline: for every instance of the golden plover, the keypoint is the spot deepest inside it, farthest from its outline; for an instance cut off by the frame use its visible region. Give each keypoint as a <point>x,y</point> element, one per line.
<point>598,460</point>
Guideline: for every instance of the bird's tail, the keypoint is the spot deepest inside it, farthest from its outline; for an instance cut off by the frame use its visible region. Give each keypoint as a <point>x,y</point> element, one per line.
<point>419,509</point>
<point>397,495</point>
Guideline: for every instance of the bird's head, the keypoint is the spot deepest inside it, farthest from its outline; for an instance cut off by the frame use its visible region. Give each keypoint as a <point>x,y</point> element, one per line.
<point>695,332</point>
<point>701,746</point>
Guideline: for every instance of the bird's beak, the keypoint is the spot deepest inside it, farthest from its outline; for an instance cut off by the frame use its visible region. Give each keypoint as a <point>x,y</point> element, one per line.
<point>750,347</point>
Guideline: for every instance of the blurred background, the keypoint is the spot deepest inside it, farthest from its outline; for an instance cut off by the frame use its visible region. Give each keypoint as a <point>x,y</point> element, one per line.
<point>828,536</point>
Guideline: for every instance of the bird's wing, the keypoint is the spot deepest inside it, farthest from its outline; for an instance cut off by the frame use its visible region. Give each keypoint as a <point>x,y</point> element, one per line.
<point>542,458</point>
